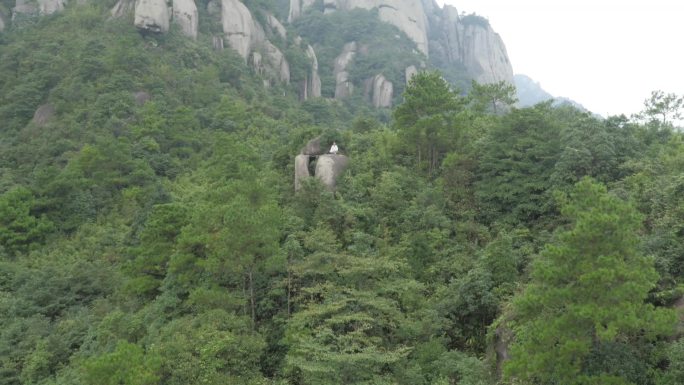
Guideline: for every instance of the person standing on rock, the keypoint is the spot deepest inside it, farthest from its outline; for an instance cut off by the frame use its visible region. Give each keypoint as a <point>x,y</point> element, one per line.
<point>334,149</point>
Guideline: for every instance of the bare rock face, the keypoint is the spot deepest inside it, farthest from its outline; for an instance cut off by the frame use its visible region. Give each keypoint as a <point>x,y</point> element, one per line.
<point>301,170</point>
<point>248,38</point>
<point>383,91</point>
<point>379,91</point>
<point>485,55</point>
<point>185,15</point>
<point>469,41</point>
<point>311,87</point>
<point>329,168</point>
<point>407,15</point>
<point>43,114</point>
<point>152,16</point>
<point>313,147</point>
<point>48,7</point>
<point>276,26</point>
<point>141,97</point>
<point>409,72</point>
<point>123,8</point>
<point>280,66</point>
<point>343,86</point>
<point>24,8</point>
<point>239,27</point>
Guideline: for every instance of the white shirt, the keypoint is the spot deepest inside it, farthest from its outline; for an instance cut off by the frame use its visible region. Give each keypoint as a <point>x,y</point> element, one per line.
<point>334,149</point>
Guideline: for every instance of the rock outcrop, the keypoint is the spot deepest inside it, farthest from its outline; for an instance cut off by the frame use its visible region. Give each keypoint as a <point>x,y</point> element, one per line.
<point>313,80</point>
<point>301,170</point>
<point>343,86</point>
<point>185,15</point>
<point>152,16</point>
<point>123,8</point>
<point>409,72</point>
<point>471,42</point>
<point>155,16</point>
<point>43,114</point>
<point>276,26</point>
<point>23,8</point>
<point>407,15</point>
<point>313,147</point>
<point>247,37</point>
<point>329,168</point>
<point>48,7</point>
<point>380,91</point>
<point>447,38</point>
<point>239,27</point>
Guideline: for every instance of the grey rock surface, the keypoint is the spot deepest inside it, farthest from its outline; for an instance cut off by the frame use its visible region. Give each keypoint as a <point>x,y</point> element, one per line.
<point>152,16</point>
<point>343,86</point>
<point>43,114</point>
<point>314,147</point>
<point>185,14</point>
<point>329,168</point>
<point>301,170</point>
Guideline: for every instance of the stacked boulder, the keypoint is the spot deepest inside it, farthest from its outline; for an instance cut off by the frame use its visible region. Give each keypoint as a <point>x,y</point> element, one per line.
<point>329,167</point>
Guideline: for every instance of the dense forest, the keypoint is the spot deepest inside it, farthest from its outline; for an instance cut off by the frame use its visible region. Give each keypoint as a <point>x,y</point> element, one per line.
<point>150,232</point>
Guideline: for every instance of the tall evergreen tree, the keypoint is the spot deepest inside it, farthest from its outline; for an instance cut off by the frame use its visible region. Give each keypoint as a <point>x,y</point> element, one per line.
<point>585,303</point>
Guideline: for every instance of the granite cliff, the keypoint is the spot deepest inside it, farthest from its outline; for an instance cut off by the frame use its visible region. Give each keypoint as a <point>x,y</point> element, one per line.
<point>444,39</point>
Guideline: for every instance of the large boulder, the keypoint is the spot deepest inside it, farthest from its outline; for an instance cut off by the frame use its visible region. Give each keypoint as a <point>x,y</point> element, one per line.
<point>409,72</point>
<point>152,16</point>
<point>185,15</point>
<point>471,42</point>
<point>383,91</point>
<point>248,38</point>
<point>301,170</point>
<point>343,86</point>
<point>239,27</point>
<point>123,8</point>
<point>313,147</point>
<point>48,7</point>
<point>24,9</point>
<point>329,168</point>
<point>312,87</point>
<point>43,114</point>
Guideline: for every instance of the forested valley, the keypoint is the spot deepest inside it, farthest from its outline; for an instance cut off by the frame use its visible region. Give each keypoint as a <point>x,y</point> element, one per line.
<point>150,232</point>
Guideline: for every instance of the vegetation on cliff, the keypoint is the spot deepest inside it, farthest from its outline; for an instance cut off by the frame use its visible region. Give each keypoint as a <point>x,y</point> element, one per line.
<point>149,233</point>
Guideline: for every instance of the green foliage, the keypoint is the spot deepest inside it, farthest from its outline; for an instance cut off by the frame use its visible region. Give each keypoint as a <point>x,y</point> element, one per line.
<point>587,294</point>
<point>19,228</point>
<point>516,160</point>
<point>328,33</point>
<point>128,364</point>
<point>426,118</point>
<point>150,232</point>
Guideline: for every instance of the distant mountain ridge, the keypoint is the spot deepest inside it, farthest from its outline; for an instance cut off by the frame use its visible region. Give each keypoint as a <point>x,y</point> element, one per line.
<point>530,92</point>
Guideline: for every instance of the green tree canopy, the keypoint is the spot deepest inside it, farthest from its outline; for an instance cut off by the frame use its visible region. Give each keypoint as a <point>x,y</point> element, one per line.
<point>586,294</point>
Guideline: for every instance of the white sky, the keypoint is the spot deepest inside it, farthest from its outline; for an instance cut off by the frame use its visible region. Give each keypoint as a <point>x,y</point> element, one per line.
<point>607,55</point>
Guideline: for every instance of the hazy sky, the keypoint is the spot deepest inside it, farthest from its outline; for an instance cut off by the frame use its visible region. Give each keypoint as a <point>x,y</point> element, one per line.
<point>605,54</point>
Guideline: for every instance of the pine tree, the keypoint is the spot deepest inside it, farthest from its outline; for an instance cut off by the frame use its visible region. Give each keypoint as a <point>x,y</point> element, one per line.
<point>586,297</point>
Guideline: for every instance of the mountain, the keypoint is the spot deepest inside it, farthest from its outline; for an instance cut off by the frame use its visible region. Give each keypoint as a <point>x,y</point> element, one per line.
<point>286,46</point>
<point>530,92</point>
